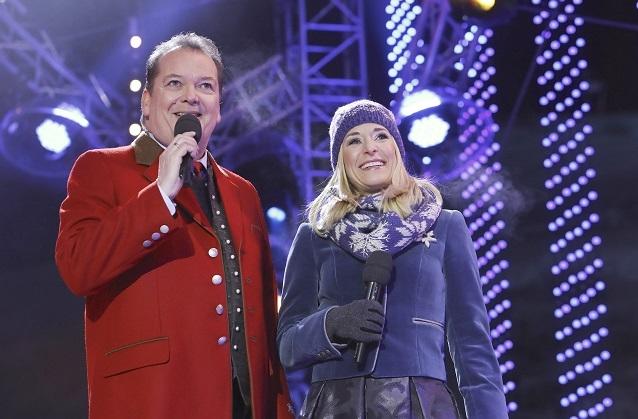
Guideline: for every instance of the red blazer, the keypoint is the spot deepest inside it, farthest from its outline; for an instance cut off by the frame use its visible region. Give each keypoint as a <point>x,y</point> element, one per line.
<point>153,334</point>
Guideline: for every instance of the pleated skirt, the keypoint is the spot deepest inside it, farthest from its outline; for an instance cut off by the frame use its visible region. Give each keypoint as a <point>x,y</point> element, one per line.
<point>379,398</point>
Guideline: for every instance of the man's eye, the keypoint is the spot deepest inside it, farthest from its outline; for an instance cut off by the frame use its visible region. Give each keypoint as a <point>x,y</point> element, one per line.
<point>207,86</point>
<point>174,83</point>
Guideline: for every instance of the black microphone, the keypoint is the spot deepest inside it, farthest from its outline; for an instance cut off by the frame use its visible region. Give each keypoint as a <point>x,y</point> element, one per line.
<point>376,273</point>
<point>185,123</point>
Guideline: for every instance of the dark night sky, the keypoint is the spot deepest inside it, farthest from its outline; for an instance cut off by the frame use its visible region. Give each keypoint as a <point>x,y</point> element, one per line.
<point>41,344</point>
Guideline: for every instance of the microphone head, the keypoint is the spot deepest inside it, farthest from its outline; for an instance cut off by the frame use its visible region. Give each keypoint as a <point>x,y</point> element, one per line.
<point>188,122</point>
<point>378,267</point>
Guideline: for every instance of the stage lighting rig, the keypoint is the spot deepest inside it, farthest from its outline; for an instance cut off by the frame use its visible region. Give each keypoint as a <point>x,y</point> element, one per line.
<point>487,13</point>
<point>45,137</point>
<point>430,123</point>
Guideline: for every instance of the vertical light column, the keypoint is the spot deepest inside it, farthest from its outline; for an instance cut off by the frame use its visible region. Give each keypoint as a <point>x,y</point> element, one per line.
<point>135,82</point>
<point>483,190</point>
<point>576,263</point>
<point>429,50</point>
<point>400,24</point>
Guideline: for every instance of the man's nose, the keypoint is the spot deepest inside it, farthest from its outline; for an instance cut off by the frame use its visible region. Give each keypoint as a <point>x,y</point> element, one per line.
<point>190,94</point>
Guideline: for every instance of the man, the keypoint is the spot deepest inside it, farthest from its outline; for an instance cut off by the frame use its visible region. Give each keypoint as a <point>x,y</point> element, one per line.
<point>180,295</point>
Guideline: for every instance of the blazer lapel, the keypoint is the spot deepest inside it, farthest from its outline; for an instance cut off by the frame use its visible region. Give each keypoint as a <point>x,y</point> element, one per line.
<point>188,203</point>
<point>147,153</point>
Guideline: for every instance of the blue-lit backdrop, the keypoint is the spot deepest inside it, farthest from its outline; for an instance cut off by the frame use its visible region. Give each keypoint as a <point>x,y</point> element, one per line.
<point>523,112</point>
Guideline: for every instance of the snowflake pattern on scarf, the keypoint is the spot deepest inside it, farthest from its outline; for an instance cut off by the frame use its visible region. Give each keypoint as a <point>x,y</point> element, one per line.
<point>367,229</point>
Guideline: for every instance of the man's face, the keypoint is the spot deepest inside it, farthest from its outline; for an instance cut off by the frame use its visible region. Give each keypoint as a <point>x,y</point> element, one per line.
<point>187,82</point>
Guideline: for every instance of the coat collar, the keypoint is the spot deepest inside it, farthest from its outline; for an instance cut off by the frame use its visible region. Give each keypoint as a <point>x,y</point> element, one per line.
<point>146,149</point>
<point>147,153</point>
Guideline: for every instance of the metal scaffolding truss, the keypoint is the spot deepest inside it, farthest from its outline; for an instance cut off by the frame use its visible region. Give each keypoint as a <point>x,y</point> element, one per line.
<point>264,97</point>
<point>438,34</point>
<point>324,66</point>
<point>33,58</point>
<point>329,45</point>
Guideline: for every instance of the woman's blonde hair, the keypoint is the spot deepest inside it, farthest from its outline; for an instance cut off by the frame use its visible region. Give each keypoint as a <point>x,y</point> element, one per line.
<point>402,194</point>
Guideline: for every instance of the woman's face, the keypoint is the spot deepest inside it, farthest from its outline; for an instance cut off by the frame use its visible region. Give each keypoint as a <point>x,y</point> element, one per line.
<point>369,157</point>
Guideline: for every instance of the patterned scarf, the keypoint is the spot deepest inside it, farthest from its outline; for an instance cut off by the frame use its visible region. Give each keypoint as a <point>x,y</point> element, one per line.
<point>367,229</point>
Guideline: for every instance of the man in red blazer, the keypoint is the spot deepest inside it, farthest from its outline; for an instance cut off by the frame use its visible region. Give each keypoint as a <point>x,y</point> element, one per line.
<point>180,294</point>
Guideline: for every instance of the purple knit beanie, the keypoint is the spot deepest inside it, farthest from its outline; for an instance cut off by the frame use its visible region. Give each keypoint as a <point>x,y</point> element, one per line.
<point>356,113</point>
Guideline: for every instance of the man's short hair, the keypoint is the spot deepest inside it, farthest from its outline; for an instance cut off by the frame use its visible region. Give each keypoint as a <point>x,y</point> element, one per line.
<point>183,40</point>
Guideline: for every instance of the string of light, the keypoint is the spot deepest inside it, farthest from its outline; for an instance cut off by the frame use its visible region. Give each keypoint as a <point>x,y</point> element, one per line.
<point>576,265</point>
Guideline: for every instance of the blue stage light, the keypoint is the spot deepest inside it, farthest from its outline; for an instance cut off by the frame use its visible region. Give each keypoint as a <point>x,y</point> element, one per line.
<point>419,101</point>
<point>45,139</point>
<point>428,131</point>
<point>276,214</point>
<point>429,120</point>
<point>53,136</point>
<point>71,113</point>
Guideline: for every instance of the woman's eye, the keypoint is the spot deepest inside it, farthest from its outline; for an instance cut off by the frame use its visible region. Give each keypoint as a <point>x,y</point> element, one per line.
<point>383,136</point>
<point>353,141</point>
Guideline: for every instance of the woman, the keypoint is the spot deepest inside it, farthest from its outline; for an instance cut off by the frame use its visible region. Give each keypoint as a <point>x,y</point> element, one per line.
<point>371,203</point>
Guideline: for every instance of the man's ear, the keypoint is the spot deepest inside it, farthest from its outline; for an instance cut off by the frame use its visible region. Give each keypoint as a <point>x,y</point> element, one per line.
<point>146,103</point>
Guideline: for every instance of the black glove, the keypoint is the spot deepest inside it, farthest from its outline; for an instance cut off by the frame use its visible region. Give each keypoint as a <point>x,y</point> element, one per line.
<point>358,321</point>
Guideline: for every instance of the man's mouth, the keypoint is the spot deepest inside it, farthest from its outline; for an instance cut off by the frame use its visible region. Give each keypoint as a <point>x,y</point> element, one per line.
<point>196,114</point>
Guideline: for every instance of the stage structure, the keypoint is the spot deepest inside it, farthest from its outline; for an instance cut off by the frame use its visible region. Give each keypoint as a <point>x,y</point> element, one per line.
<point>262,99</point>
<point>325,41</point>
<point>441,78</point>
<point>579,285</point>
<point>441,71</point>
<point>295,94</point>
<point>94,115</point>
<point>59,101</point>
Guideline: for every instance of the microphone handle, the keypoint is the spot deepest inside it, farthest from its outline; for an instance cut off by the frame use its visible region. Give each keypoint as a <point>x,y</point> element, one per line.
<point>186,169</point>
<point>358,353</point>
<point>372,293</point>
